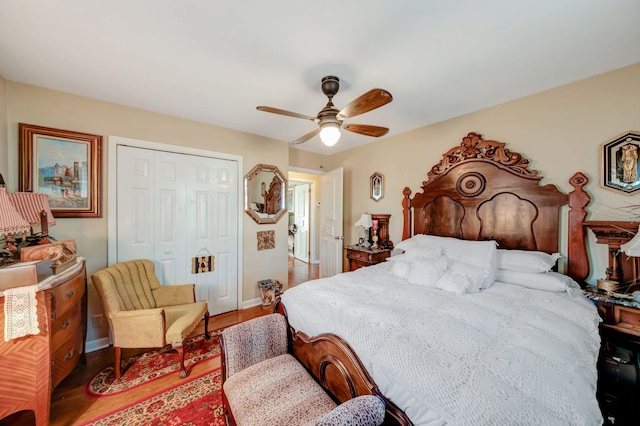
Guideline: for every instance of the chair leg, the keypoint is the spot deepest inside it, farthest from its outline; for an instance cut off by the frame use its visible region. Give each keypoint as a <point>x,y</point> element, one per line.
<point>118,356</point>
<point>206,325</point>
<point>183,371</point>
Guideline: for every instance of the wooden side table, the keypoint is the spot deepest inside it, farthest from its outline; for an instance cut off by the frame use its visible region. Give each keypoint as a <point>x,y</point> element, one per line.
<point>618,370</point>
<point>362,256</point>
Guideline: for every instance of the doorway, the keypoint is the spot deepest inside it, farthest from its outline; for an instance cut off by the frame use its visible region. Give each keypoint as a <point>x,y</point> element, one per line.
<point>303,253</point>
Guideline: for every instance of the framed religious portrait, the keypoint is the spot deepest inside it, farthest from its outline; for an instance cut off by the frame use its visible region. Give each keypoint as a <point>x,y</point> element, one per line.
<point>620,170</point>
<point>376,183</point>
<point>65,165</point>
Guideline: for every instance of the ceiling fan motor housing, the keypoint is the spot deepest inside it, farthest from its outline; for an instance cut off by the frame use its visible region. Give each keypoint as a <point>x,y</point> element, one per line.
<point>330,85</point>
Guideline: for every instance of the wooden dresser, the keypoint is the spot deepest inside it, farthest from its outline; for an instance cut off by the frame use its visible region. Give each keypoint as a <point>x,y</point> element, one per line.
<point>31,366</point>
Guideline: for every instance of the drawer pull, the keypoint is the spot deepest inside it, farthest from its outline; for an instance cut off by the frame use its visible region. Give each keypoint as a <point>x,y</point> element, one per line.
<point>70,294</point>
<point>69,355</point>
<point>66,324</point>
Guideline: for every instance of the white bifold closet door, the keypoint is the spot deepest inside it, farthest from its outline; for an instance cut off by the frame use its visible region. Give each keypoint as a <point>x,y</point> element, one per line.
<point>173,207</point>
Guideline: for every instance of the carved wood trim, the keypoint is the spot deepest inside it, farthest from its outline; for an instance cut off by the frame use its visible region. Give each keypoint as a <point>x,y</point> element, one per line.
<point>474,147</point>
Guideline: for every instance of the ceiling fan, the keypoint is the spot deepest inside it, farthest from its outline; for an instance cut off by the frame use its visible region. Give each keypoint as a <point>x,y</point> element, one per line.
<point>330,119</point>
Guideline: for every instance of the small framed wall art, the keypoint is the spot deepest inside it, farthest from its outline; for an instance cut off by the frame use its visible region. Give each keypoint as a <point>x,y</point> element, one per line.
<point>620,163</point>
<point>65,165</point>
<point>376,183</point>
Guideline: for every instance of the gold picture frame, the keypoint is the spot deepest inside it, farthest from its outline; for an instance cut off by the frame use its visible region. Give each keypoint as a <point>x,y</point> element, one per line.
<point>65,165</point>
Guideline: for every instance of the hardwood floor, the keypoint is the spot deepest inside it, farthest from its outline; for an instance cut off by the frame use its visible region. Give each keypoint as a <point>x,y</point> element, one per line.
<point>300,271</point>
<point>70,405</point>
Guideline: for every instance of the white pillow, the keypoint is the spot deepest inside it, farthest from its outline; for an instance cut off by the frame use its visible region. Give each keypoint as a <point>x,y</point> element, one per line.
<point>469,272</point>
<point>526,261</point>
<point>453,283</point>
<point>546,281</point>
<point>426,272</point>
<point>483,255</point>
<point>401,269</point>
<point>416,247</point>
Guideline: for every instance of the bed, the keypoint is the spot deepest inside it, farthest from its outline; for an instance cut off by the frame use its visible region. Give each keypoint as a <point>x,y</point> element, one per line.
<point>472,324</point>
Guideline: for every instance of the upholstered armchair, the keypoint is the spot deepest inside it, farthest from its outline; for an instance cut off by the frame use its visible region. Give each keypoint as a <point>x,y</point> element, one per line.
<point>263,384</point>
<point>144,314</point>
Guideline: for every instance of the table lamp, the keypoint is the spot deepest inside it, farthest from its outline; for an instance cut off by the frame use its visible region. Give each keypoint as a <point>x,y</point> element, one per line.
<point>632,249</point>
<point>366,222</point>
<point>11,222</point>
<point>34,208</point>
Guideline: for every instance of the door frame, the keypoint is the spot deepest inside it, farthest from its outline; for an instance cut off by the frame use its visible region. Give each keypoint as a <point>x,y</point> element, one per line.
<point>313,201</point>
<point>115,141</point>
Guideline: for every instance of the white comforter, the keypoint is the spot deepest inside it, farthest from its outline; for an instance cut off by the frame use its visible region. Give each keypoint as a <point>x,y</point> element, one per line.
<point>508,355</point>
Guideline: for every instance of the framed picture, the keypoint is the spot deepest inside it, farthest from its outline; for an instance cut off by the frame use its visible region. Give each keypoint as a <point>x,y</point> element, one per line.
<point>620,170</point>
<point>376,182</point>
<point>65,165</point>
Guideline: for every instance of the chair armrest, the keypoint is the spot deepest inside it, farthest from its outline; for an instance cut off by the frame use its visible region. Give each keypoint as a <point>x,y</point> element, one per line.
<point>170,295</point>
<point>141,328</point>
<point>367,410</point>
<point>253,341</point>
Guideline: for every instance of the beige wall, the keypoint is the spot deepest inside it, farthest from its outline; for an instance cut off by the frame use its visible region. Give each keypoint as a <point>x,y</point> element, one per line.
<point>4,158</point>
<point>560,131</point>
<point>34,105</point>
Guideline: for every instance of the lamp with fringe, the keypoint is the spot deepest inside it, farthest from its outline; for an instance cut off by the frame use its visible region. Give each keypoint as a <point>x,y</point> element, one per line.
<point>34,208</point>
<point>11,222</point>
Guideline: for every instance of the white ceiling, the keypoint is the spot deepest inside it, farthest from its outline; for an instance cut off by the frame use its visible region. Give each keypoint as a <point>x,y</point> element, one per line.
<point>215,61</point>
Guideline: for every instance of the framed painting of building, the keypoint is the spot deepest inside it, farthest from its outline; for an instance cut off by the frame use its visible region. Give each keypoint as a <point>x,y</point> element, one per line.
<point>65,165</point>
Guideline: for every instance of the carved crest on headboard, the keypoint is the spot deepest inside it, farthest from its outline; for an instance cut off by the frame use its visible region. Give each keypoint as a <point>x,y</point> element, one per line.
<point>473,146</point>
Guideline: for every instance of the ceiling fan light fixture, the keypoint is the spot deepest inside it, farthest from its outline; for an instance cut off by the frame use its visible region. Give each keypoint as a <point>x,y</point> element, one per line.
<point>330,133</point>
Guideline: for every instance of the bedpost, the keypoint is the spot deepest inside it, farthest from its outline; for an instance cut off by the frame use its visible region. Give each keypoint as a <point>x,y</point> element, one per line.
<point>406,213</point>
<point>578,199</point>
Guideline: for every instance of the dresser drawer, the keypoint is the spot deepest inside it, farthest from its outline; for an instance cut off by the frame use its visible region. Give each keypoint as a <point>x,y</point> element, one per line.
<point>64,359</point>
<point>67,295</point>
<point>358,255</point>
<point>65,326</point>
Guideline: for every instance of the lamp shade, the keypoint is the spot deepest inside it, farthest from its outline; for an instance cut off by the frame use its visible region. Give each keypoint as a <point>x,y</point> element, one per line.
<point>365,221</point>
<point>30,205</point>
<point>10,220</point>
<point>632,247</point>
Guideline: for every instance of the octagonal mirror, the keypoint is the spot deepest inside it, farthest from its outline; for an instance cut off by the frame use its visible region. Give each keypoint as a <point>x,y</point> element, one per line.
<point>265,189</point>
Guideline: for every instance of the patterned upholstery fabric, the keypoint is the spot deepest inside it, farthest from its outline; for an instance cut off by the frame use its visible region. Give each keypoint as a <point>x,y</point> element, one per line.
<point>253,341</point>
<point>362,410</point>
<point>277,391</point>
<point>267,386</point>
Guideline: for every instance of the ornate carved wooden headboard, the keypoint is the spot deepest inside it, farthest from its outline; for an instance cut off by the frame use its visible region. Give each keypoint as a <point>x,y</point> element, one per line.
<point>482,191</point>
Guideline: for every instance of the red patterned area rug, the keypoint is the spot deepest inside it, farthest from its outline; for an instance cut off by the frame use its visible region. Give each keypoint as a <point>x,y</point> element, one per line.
<point>198,402</point>
<point>141,369</point>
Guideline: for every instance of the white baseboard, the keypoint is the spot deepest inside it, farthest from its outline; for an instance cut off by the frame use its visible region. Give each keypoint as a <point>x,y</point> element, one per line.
<point>251,303</point>
<point>95,345</point>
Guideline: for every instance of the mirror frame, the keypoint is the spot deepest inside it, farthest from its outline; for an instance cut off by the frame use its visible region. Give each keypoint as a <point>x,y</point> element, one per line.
<point>283,193</point>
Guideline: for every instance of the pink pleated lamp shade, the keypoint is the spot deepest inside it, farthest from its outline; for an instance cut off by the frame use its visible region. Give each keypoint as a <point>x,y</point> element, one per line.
<point>30,206</point>
<point>11,222</point>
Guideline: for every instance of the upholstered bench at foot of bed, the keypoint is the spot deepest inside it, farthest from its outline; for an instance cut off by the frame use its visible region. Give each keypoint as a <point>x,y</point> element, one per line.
<point>265,385</point>
<point>277,391</point>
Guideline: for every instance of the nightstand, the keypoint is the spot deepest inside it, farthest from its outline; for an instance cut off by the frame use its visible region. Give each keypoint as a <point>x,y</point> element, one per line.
<point>619,361</point>
<point>359,256</point>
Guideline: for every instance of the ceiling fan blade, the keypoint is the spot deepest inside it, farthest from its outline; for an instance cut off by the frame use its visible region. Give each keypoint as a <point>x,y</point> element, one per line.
<point>306,137</point>
<point>367,130</point>
<point>374,98</point>
<point>284,112</point>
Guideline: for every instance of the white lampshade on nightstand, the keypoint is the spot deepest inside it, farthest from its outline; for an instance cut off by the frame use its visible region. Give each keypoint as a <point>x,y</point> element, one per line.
<point>632,249</point>
<point>366,221</point>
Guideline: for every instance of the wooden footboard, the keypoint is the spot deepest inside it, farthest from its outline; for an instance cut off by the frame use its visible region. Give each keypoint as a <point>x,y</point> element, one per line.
<point>337,368</point>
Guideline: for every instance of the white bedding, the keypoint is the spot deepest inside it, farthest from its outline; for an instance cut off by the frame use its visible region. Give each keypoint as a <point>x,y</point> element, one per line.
<point>504,356</point>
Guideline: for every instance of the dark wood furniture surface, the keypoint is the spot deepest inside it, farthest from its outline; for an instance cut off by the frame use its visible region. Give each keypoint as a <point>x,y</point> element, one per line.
<point>359,257</point>
<point>32,366</point>
<point>481,191</point>
<point>620,327</point>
